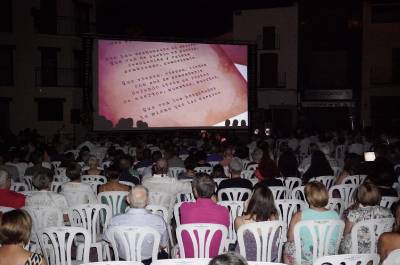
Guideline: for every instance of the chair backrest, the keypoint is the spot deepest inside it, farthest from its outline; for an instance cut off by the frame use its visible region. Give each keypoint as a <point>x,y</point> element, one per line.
<point>127,183</point>
<point>286,209</point>
<point>340,152</point>
<point>336,171</point>
<point>299,194</point>
<point>56,186</point>
<point>392,258</point>
<point>56,244</point>
<point>61,178</point>
<point>161,198</point>
<point>336,204</point>
<point>326,180</point>
<point>160,210</point>
<point>348,259</point>
<point>280,192</point>
<point>234,194</point>
<point>252,167</point>
<point>18,186</point>
<point>115,200</point>
<point>325,236</point>
<point>346,193</point>
<point>292,182</point>
<point>236,209</point>
<point>28,181</point>
<point>374,228</point>
<point>93,217</point>
<point>4,209</point>
<point>247,174</point>
<point>267,235</point>
<point>94,184</point>
<point>387,202</point>
<point>207,170</point>
<point>131,239</point>
<point>201,236</point>
<point>44,216</point>
<point>90,178</point>
<point>185,197</point>
<point>56,164</point>
<point>61,171</point>
<point>173,172</point>
<point>115,263</point>
<point>354,179</point>
<point>218,181</point>
<point>177,212</point>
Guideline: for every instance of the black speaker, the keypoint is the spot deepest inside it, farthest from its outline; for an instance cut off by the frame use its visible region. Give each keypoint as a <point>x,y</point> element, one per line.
<point>75,116</point>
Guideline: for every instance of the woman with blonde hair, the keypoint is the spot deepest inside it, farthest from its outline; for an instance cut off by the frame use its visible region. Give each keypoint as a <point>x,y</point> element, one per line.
<point>93,169</point>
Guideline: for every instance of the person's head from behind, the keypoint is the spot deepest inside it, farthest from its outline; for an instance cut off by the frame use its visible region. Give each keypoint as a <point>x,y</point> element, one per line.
<point>161,167</point>
<point>125,162</point>
<point>261,206</point>
<point>138,197</point>
<point>203,186</point>
<point>190,165</point>
<point>92,162</point>
<point>113,173</point>
<point>396,213</point>
<point>36,158</point>
<point>235,167</point>
<point>318,159</point>
<point>156,155</point>
<point>15,228</point>
<point>146,154</point>
<point>73,172</point>
<point>316,194</point>
<point>41,180</point>
<point>228,258</point>
<point>313,147</point>
<point>218,171</point>
<point>257,155</point>
<point>5,180</point>
<point>368,194</point>
<point>228,153</point>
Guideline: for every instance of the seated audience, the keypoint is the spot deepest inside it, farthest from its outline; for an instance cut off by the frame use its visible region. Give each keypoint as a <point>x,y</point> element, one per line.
<point>352,166</point>
<point>75,191</point>
<point>201,159</point>
<point>260,208</point>
<point>189,172</point>
<point>228,258</point>
<point>235,181</point>
<point>68,159</point>
<point>368,198</point>
<point>287,163</point>
<point>137,215</point>
<point>267,169</point>
<point>204,210</point>
<point>173,158</point>
<point>9,198</point>
<point>146,160</point>
<point>218,172</point>
<point>15,233</point>
<point>227,157</point>
<point>36,159</point>
<point>390,241</point>
<point>319,167</point>
<point>93,167</point>
<point>317,198</point>
<point>11,169</point>
<point>126,171</point>
<point>113,182</point>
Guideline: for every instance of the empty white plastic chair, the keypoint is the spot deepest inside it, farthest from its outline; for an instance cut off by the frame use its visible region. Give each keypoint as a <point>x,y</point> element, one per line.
<point>130,240</point>
<point>173,172</point>
<point>354,179</point>
<point>207,170</point>
<point>392,258</point>
<point>234,194</point>
<point>325,235</point>
<point>348,259</point>
<point>336,204</point>
<point>116,200</point>
<point>287,208</point>
<point>326,180</point>
<point>375,228</point>
<point>280,192</point>
<point>201,236</point>
<point>56,244</point>
<point>345,191</point>
<point>89,178</point>
<point>252,167</point>
<point>387,202</point>
<point>292,182</point>
<point>18,186</point>
<point>268,236</point>
<point>94,218</point>
<point>236,209</point>
<point>247,174</point>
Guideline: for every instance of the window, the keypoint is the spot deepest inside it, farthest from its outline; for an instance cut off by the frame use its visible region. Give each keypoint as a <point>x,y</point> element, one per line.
<point>46,18</point>
<point>385,13</point>
<point>269,38</point>
<point>50,109</point>
<point>6,16</point>
<point>6,66</point>
<point>49,66</point>
<point>268,70</point>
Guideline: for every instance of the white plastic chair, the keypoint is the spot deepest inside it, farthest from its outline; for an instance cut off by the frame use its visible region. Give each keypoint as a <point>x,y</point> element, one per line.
<point>173,172</point>
<point>252,167</point>
<point>218,181</point>
<point>387,202</point>
<point>56,186</point>
<point>348,259</point>
<point>61,171</point>
<point>95,218</point>
<point>185,197</point>
<point>207,170</point>
<point>131,239</point>
<point>236,209</point>
<point>375,228</point>
<point>392,258</point>
<point>328,181</point>
<point>61,178</point>
<point>254,181</point>
<point>159,210</point>
<point>346,193</point>
<point>336,204</point>
<point>114,199</point>
<point>89,178</point>
<point>292,182</point>
<point>28,181</point>
<point>267,235</point>
<point>56,164</point>
<point>233,194</point>
<point>323,234</point>
<point>94,185</point>
<point>203,261</point>
<point>201,236</point>
<point>127,183</point>
<point>115,263</point>
<point>354,179</point>
<point>287,208</point>
<point>247,174</point>
<point>299,194</point>
<point>280,192</point>
<point>5,209</point>
<point>56,243</point>
<point>161,198</point>
<point>18,186</point>
<point>176,212</point>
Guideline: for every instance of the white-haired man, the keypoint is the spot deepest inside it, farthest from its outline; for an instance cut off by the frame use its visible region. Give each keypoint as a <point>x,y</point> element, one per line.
<point>9,198</point>
<point>137,215</point>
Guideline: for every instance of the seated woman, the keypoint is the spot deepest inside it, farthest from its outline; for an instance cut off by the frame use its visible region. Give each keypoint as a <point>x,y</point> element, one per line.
<point>391,240</point>
<point>317,198</point>
<point>368,198</point>
<point>352,166</point>
<point>93,164</point>
<point>15,232</point>
<point>218,172</point>
<point>319,167</point>
<point>267,171</point>
<point>113,181</point>
<point>260,208</point>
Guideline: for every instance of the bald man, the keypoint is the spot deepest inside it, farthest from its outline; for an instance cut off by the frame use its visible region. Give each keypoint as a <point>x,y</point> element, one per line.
<point>137,215</point>
<point>9,198</point>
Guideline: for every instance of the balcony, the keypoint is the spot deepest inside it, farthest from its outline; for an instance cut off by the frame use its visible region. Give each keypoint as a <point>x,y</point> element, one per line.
<point>59,25</point>
<point>383,76</point>
<point>6,76</point>
<point>58,77</point>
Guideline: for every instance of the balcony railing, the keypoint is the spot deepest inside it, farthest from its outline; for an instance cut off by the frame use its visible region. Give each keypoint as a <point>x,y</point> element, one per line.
<point>383,76</point>
<point>6,76</point>
<point>58,77</point>
<point>63,25</point>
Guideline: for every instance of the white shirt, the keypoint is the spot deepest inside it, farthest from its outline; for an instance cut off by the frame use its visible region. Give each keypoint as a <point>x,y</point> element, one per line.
<point>78,193</point>
<point>140,217</point>
<point>47,198</point>
<point>158,183</point>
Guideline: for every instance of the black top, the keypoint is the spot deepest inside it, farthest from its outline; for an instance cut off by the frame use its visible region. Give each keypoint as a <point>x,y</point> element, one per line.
<point>126,176</point>
<point>235,183</point>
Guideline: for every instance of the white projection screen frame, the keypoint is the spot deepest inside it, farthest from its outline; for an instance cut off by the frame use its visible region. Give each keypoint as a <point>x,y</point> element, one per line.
<point>167,85</point>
